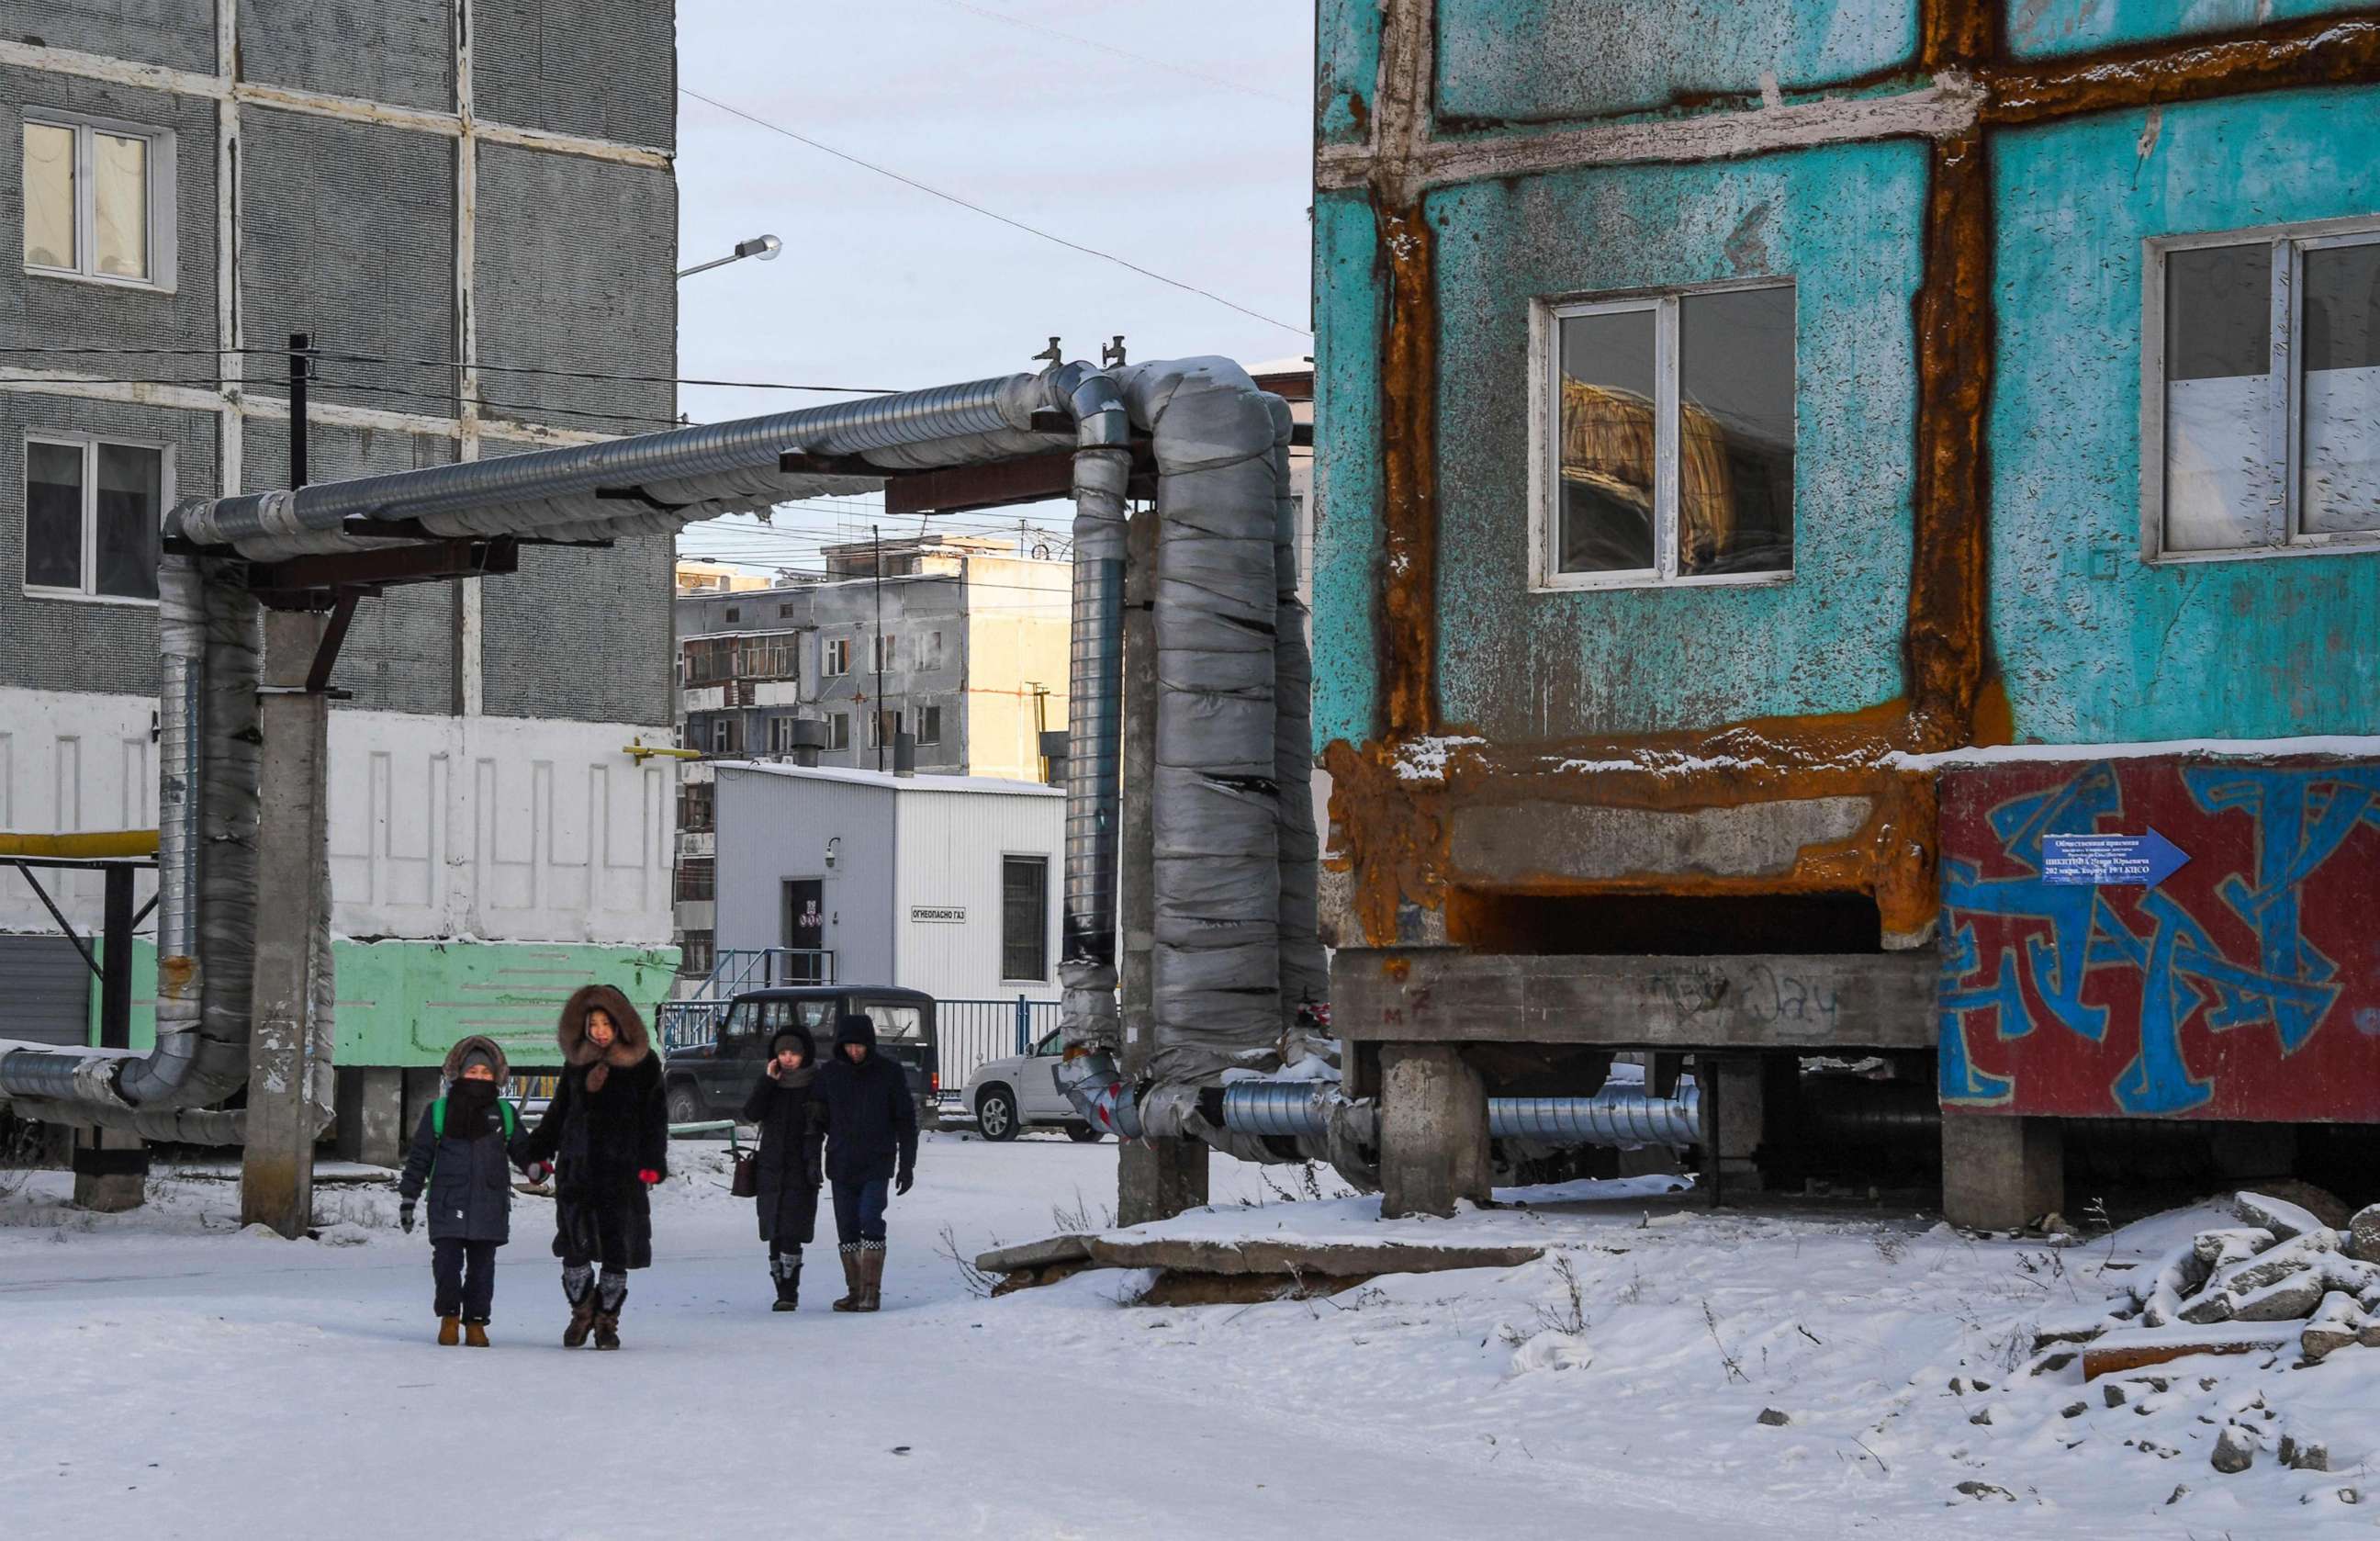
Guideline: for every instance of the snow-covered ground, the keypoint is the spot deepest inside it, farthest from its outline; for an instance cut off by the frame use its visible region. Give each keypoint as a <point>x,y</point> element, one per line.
<point>167,1376</point>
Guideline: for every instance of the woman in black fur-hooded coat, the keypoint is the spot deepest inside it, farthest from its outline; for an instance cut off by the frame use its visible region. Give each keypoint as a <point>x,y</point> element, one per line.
<point>606,1136</point>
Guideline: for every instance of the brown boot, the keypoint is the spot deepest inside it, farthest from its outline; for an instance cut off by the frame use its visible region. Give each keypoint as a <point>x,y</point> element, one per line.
<point>475,1335</point>
<point>448,1329</point>
<point>852,1283</point>
<point>871,1277</point>
<point>582,1320</point>
<point>607,1330</point>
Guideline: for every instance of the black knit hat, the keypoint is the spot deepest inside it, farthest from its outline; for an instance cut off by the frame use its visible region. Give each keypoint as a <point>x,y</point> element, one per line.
<point>478,1056</point>
<point>796,1036</point>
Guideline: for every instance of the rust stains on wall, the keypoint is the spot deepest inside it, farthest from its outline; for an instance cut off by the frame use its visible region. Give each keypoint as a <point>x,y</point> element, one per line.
<point>2325,52</point>
<point>1955,32</point>
<point>1409,468</point>
<point>1950,562</point>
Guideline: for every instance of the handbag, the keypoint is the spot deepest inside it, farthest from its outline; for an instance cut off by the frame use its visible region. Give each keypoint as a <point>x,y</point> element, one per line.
<point>747,1181</point>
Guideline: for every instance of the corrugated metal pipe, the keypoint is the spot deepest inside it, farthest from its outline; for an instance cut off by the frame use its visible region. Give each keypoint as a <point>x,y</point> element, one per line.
<point>1616,1115</point>
<point>206,839</point>
<point>1087,965</point>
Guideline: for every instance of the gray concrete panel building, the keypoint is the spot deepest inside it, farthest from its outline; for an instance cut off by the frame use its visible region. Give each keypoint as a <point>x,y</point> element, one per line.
<point>470,207</point>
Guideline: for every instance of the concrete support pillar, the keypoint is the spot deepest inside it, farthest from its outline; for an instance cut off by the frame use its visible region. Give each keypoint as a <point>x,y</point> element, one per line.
<point>1433,1131</point>
<point>2001,1171</point>
<point>1155,1179</point>
<point>372,1115</point>
<point>111,1168</point>
<point>277,1169</point>
<point>421,1086</point>
<point>1742,1093</point>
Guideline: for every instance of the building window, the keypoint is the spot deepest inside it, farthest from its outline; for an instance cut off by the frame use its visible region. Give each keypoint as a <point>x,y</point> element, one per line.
<point>695,953</point>
<point>2262,357</point>
<point>929,651</point>
<point>887,650</point>
<point>723,734</point>
<point>838,730</point>
<point>784,612</point>
<point>98,200</point>
<point>697,879</point>
<point>835,656</point>
<point>92,514</point>
<point>1666,440</point>
<point>780,734</point>
<point>930,724</point>
<point>696,808</point>
<point>769,656</point>
<point>735,614</point>
<point>1024,918</point>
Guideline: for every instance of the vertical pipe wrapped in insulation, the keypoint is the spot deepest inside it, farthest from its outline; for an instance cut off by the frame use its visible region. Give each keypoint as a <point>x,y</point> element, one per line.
<point>1305,973</point>
<point>1215,800</point>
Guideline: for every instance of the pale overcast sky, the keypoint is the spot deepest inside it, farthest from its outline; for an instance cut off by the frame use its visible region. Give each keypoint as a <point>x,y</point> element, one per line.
<point>1174,133</point>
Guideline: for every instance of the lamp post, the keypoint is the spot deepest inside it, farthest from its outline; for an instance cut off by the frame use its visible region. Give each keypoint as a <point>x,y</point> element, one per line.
<point>763,247</point>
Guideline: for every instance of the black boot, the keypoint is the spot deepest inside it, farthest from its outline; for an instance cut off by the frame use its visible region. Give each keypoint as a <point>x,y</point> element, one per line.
<point>787,1272</point>
<point>578,1289</point>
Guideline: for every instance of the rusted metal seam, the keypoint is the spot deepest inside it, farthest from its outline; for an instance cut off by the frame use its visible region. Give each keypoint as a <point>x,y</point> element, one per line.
<point>2330,52</point>
<point>1407,261</point>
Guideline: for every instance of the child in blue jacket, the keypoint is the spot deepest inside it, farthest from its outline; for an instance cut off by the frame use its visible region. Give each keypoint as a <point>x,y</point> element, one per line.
<point>459,1154</point>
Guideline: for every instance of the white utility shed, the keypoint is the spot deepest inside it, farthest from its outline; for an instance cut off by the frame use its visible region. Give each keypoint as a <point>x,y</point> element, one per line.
<point>946,884</point>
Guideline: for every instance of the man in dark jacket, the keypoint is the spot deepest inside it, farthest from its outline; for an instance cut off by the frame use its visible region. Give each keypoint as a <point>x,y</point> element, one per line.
<point>606,1132</point>
<point>458,1154</point>
<point>787,1165</point>
<point>872,1146</point>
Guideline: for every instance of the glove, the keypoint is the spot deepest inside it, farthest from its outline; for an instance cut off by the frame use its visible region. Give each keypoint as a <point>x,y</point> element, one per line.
<point>404,1216</point>
<point>817,1175</point>
<point>901,1183</point>
<point>649,1177</point>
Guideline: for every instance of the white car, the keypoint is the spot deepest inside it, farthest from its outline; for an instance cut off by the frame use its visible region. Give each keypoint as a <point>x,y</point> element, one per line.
<point>1020,1092</point>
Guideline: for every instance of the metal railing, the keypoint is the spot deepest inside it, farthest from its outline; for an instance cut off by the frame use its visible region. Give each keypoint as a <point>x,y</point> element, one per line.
<point>733,970</point>
<point>967,1033</point>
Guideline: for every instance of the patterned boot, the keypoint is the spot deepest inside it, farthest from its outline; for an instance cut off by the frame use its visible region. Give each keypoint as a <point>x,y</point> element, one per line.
<point>610,1295</point>
<point>578,1289</point>
<point>871,1276</point>
<point>850,1279</point>
<point>786,1268</point>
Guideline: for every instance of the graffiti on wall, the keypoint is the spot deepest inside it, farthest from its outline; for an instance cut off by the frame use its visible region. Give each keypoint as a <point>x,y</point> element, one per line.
<point>2244,985</point>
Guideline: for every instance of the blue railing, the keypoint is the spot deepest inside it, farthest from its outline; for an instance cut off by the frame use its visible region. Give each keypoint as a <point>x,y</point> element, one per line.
<point>694,1020</point>
<point>967,1033</point>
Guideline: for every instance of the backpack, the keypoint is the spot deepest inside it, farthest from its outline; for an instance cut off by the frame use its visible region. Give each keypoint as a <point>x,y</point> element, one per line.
<point>438,1117</point>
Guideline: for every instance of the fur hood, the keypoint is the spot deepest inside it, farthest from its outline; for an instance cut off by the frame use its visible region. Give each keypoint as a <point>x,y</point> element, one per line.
<point>630,1046</point>
<point>462,1050</point>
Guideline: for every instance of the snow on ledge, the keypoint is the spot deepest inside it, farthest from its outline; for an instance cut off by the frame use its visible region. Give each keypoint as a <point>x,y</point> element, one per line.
<point>2347,745</point>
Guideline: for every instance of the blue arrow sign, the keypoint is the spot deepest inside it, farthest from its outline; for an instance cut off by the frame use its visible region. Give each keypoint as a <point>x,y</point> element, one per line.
<point>2140,860</point>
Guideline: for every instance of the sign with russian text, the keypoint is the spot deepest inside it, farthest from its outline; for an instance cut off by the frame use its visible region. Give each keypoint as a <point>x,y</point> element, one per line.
<point>2102,860</point>
<point>940,915</point>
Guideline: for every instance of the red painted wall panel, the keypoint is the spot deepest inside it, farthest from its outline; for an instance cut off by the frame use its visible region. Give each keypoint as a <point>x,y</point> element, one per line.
<point>2244,985</point>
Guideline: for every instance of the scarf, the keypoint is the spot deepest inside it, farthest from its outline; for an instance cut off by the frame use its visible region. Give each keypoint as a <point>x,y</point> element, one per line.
<point>469,1103</point>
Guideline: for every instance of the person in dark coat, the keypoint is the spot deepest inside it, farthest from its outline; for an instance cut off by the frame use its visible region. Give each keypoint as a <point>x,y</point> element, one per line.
<point>788,1163</point>
<point>605,1135</point>
<point>458,1154</point>
<point>871,1152</point>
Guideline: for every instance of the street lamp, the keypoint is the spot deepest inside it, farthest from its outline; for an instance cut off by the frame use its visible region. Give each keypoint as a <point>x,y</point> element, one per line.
<point>763,247</point>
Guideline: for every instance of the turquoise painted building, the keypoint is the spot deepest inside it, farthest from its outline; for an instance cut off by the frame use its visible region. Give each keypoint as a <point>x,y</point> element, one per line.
<point>1746,430</point>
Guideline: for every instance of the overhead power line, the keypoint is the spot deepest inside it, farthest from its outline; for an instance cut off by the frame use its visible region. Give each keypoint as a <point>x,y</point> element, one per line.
<point>991,214</point>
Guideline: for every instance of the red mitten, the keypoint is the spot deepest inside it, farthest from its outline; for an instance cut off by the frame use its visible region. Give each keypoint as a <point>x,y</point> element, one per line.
<point>649,1177</point>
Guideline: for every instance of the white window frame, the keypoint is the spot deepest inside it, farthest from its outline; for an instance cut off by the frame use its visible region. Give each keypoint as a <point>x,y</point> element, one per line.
<point>1546,317</point>
<point>887,650</point>
<point>89,444</point>
<point>828,669</point>
<point>923,742</point>
<point>2290,244</point>
<point>163,181</point>
<point>930,651</point>
<point>838,731</point>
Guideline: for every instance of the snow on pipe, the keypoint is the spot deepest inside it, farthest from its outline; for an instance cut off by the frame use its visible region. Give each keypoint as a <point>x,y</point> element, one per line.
<point>207,816</point>
<point>1095,702</point>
